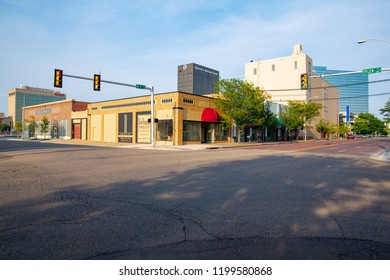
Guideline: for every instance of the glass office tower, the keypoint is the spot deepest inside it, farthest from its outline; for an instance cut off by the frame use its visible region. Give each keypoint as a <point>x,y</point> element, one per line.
<point>348,93</point>
<point>196,79</point>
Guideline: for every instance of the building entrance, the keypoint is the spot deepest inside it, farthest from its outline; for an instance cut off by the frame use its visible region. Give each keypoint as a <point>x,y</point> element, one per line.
<point>207,133</point>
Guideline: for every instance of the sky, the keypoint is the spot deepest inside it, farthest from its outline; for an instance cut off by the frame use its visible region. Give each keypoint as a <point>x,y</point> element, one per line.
<point>143,42</point>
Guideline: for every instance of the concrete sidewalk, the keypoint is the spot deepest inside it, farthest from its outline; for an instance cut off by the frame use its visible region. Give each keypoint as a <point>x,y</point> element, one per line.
<point>158,146</point>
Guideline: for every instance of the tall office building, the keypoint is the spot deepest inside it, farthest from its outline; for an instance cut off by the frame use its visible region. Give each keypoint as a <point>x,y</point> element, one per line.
<point>28,96</point>
<point>196,79</point>
<point>354,96</point>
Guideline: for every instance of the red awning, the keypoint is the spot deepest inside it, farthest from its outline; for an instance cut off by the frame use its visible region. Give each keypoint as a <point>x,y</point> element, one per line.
<point>210,115</point>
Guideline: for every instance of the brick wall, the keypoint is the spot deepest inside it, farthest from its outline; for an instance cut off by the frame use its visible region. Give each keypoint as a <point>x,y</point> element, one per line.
<point>55,111</point>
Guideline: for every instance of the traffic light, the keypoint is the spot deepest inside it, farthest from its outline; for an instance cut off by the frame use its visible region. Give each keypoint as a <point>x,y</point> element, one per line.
<point>57,78</point>
<point>96,82</point>
<point>304,81</point>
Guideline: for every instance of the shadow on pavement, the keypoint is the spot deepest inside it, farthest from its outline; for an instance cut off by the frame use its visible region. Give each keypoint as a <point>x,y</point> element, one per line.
<point>263,207</point>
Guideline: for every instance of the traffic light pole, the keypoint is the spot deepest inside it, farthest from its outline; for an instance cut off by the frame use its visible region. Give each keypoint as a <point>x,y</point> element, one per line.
<point>152,115</point>
<point>109,82</point>
<point>347,73</point>
<point>138,86</point>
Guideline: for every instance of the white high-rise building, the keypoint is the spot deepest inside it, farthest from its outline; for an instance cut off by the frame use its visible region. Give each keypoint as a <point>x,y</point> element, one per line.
<point>280,78</point>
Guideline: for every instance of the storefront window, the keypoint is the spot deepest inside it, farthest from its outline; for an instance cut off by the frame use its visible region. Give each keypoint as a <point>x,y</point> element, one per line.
<point>191,131</point>
<point>64,128</point>
<point>164,130</point>
<point>125,127</point>
<point>221,134</point>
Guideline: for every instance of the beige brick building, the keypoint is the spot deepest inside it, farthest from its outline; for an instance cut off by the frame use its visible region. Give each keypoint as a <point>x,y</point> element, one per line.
<point>181,118</point>
<point>68,119</point>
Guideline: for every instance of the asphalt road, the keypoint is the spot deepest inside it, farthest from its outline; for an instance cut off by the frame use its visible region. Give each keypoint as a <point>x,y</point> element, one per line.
<point>291,201</point>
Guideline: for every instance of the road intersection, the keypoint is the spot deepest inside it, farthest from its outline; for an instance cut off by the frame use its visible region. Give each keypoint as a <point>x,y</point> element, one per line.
<point>282,201</point>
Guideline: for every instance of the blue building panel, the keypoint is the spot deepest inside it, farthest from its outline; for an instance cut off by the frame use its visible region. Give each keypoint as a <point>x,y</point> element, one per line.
<point>24,99</point>
<point>354,96</point>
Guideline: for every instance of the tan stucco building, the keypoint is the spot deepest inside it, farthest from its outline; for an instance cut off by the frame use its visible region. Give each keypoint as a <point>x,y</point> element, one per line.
<point>2,118</point>
<point>281,79</point>
<point>180,118</point>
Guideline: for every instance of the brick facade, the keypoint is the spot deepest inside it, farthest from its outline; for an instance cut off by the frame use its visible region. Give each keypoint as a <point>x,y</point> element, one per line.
<point>59,114</point>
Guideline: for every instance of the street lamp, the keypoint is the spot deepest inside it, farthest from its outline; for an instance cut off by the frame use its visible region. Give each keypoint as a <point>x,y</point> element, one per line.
<point>373,39</point>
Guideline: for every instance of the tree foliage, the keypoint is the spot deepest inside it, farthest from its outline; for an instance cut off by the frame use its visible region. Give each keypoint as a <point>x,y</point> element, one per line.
<point>343,128</point>
<point>18,126</point>
<point>385,111</point>
<point>325,127</point>
<point>242,104</point>
<point>367,123</point>
<point>5,127</point>
<point>32,125</point>
<point>45,126</point>
<point>297,114</point>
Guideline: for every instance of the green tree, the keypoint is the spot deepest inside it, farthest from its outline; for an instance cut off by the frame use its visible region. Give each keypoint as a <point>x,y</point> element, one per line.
<point>18,127</point>
<point>242,103</point>
<point>385,111</point>
<point>367,123</point>
<point>32,125</point>
<point>325,128</point>
<point>297,114</point>
<point>5,127</point>
<point>343,128</point>
<point>45,126</point>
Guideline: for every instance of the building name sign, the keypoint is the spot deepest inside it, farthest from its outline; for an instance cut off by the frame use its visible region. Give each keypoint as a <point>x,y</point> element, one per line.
<point>41,112</point>
<point>206,70</point>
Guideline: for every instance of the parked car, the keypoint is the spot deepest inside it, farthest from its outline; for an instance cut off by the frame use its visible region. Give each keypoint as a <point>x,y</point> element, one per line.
<point>350,136</point>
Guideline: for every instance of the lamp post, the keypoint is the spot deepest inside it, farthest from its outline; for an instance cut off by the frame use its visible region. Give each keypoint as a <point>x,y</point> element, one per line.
<point>373,39</point>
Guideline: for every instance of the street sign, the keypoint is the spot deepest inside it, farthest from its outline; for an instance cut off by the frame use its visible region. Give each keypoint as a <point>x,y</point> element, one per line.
<point>140,86</point>
<point>372,70</point>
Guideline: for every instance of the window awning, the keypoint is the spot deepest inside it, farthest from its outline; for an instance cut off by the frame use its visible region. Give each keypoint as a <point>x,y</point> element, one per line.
<point>210,115</point>
<point>278,121</point>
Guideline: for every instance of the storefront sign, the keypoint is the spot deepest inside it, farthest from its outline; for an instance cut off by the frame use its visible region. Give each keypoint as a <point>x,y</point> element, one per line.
<point>143,128</point>
<point>207,70</point>
<point>125,138</point>
<point>41,112</point>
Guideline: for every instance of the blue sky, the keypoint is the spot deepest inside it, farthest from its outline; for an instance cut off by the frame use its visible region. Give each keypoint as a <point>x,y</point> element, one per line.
<point>144,41</point>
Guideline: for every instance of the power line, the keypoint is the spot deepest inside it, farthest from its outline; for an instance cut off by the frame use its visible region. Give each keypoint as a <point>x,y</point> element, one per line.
<point>347,97</point>
<point>332,86</point>
<point>358,96</point>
